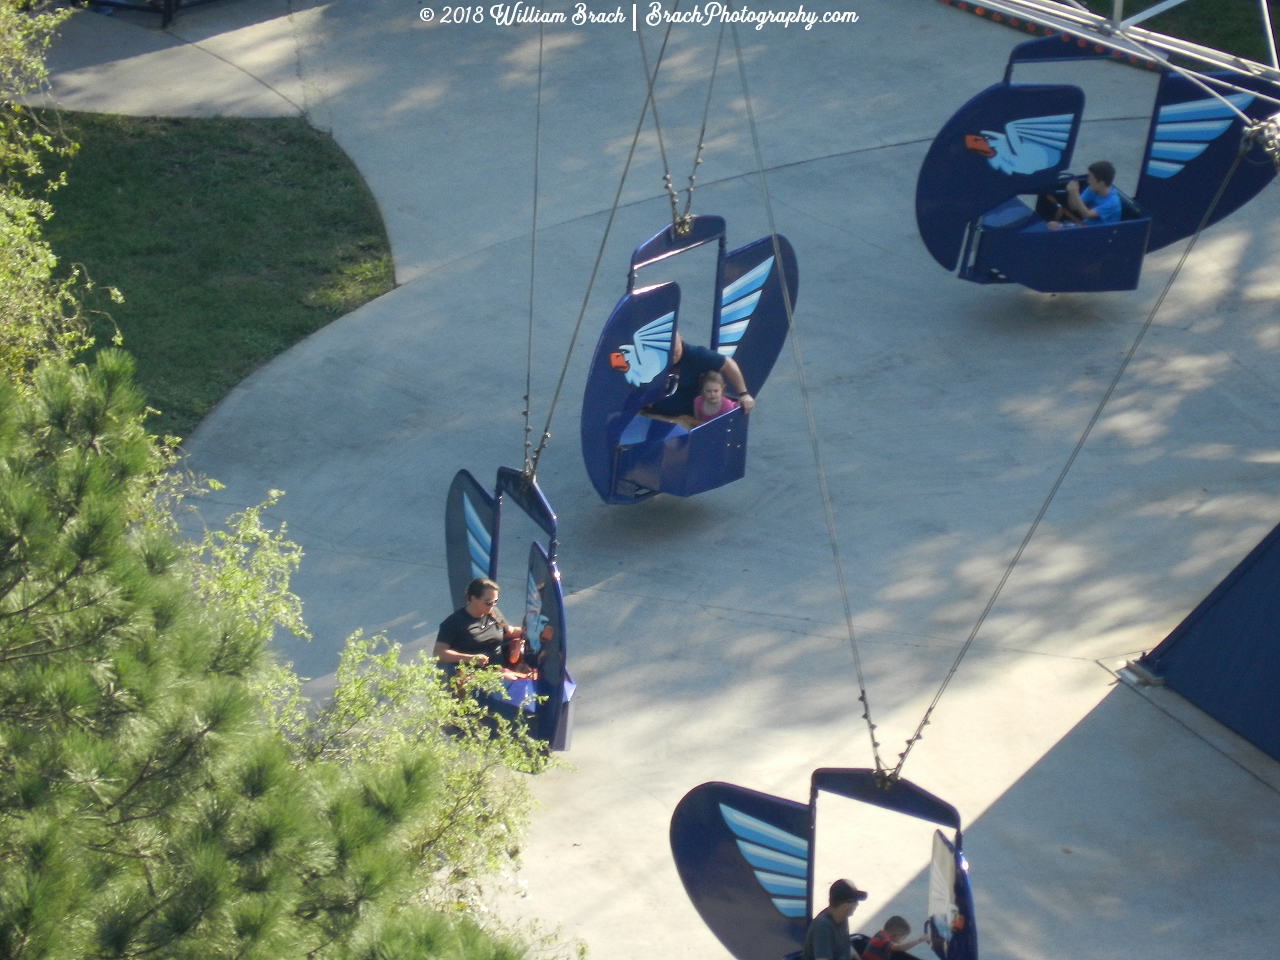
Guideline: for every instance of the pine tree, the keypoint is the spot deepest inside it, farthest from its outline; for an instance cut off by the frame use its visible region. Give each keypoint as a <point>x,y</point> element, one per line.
<point>164,792</point>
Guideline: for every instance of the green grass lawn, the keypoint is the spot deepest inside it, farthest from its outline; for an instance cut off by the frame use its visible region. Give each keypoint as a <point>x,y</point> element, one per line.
<point>1234,26</point>
<point>229,239</point>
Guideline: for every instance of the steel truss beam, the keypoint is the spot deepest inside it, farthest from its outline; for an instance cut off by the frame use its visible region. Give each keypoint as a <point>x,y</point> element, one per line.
<point>1112,34</point>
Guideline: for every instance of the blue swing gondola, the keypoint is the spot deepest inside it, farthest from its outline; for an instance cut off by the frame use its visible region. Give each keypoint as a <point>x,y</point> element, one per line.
<point>1016,140</point>
<point>746,861</point>
<point>630,456</point>
<point>472,527</point>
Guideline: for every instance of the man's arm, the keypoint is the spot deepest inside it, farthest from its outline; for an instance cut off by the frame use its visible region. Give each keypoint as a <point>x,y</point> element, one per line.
<point>1076,205</point>
<point>446,654</point>
<point>733,373</point>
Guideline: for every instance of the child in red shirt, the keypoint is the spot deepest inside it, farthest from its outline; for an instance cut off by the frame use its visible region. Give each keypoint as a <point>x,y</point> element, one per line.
<point>889,941</point>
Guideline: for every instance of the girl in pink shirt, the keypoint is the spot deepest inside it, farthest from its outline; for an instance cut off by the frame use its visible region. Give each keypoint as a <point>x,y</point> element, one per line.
<point>711,401</point>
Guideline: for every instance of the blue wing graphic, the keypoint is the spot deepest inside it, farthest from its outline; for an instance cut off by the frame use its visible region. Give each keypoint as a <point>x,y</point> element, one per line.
<point>780,859</point>
<point>1185,130</point>
<point>1031,144</point>
<point>647,355</point>
<point>737,302</point>
<point>479,543</point>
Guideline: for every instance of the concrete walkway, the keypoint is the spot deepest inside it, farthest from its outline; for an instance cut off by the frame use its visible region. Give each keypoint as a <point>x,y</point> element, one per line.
<point>706,635</point>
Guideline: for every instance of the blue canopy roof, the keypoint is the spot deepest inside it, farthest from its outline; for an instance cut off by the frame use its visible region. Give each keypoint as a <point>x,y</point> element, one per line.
<point>1225,657</point>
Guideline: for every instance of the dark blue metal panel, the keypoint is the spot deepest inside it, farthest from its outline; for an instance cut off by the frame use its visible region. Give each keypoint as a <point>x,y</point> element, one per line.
<point>1225,656</point>
<point>628,371</point>
<point>668,458</point>
<point>665,243</point>
<point>744,860</point>
<point>902,796</point>
<point>954,938</point>
<point>1017,246</point>
<point>751,325</point>
<point>1058,47</point>
<point>1191,145</point>
<point>544,624</point>
<point>1006,141</point>
<point>469,527</point>
<point>964,942</point>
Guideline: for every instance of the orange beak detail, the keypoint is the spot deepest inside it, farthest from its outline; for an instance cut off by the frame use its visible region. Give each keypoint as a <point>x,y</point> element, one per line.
<point>546,634</point>
<point>618,362</point>
<point>978,144</point>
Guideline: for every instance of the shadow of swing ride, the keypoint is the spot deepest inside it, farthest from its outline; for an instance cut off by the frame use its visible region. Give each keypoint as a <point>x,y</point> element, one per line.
<point>746,858</point>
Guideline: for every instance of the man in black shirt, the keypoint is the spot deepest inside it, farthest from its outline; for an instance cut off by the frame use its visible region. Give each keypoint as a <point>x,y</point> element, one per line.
<point>688,364</point>
<point>476,632</point>
<point>828,934</point>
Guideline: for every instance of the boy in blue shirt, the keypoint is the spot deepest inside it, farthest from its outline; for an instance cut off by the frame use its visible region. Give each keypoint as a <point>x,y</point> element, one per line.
<point>1097,205</point>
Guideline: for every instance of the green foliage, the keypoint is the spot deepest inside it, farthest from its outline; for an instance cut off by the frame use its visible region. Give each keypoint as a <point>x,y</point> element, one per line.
<point>1233,26</point>
<point>165,790</point>
<point>40,315</point>
<point>383,708</point>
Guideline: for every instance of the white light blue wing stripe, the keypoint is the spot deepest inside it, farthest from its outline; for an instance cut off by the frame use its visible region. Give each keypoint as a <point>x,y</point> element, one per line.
<point>733,332</point>
<point>1209,108</point>
<point>789,908</point>
<point>479,559</point>
<point>738,310</point>
<point>1195,131</point>
<point>738,300</point>
<point>765,859</point>
<point>1176,151</point>
<point>765,834</point>
<point>1052,131</point>
<point>1185,130</point>
<point>781,860</point>
<point>1163,169</point>
<point>781,885</point>
<point>753,279</point>
<point>479,543</point>
<point>656,333</point>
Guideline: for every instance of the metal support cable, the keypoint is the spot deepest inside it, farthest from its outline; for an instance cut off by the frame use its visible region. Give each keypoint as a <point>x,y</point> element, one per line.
<point>595,269</point>
<point>533,262</point>
<point>1245,146</point>
<point>808,413</point>
<point>657,126</point>
<point>683,220</point>
<point>1269,33</point>
<point>1192,76</point>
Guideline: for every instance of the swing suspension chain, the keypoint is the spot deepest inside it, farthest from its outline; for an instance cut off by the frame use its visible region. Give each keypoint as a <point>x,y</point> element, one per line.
<point>532,468</point>
<point>808,412</point>
<point>1246,144</point>
<point>683,223</point>
<point>533,265</point>
<point>672,196</point>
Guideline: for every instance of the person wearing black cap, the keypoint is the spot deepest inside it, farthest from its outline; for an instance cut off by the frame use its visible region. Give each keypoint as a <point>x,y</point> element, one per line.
<point>828,934</point>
